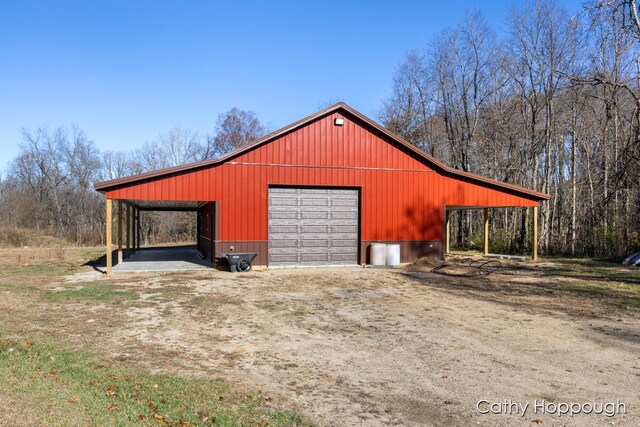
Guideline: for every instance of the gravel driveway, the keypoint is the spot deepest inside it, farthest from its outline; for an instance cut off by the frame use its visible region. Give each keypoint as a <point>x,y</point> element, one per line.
<point>370,347</point>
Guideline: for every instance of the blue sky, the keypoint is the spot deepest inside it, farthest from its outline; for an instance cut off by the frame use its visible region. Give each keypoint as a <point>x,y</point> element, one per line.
<point>126,71</point>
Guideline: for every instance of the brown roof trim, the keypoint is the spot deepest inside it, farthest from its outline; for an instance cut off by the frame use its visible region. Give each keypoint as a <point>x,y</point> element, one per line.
<point>108,185</point>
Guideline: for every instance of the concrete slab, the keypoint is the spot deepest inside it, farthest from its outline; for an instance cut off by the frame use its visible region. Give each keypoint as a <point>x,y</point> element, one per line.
<point>171,258</point>
<point>513,257</point>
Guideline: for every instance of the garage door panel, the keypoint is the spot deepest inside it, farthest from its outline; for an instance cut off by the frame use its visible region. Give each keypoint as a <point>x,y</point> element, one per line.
<point>283,236</point>
<point>275,191</point>
<point>286,225</point>
<point>315,251</point>
<point>310,226</point>
<point>344,228</point>
<point>343,251</point>
<point>314,221</point>
<point>314,243</point>
<point>342,243</point>
<point>345,215</point>
<point>284,244</point>
<point>342,258</point>
<point>281,259</point>
<point>344,203</point>
<point>314,202</point>
<point>285,228</point>
<point>342,192</point>
<point>312,192</point>
<point>318,214</point>
<point>281,205</point>
<point>314,236</point>
<point>279,201</point>
<point>283,215</point>
<point>289,254</point>
<point>306,257</point>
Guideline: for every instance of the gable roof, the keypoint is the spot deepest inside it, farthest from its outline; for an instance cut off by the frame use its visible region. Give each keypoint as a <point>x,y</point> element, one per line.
<point>436,164</point>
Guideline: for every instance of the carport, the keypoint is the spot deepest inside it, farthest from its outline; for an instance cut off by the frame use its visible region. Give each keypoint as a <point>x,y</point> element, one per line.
<point>485,223</point>
<point>130,256</point>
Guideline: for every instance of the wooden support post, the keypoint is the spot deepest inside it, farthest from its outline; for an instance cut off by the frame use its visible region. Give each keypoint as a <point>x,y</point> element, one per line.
<point>534,235</point>
<point>133,229</point>
<point>138,230</point>
<point>109,222</point>
<point>128,229</point>
<point>447,231</point>
<point>485,214</point>
<point>198,231</point>
<point>119,231</point>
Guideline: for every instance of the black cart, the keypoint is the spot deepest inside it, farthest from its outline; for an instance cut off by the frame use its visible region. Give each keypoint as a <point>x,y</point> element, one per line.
<point>239,261</point>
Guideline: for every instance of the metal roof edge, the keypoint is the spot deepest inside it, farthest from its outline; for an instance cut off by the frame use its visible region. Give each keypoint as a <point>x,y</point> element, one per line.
<point>456,173</point>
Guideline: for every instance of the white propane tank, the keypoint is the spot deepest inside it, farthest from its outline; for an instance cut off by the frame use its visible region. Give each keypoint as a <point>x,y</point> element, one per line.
<point>393,255</point>
<point>378,254</point>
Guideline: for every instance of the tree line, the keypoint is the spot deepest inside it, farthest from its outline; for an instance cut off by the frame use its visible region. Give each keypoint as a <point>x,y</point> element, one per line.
<point>48,186</point>
<point>551,102</point>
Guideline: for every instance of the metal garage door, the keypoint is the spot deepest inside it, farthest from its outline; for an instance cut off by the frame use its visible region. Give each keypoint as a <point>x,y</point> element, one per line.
<point>309,226</point>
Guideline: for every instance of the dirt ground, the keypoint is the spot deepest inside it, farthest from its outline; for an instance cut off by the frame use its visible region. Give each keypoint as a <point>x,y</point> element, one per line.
<point>369,347</point>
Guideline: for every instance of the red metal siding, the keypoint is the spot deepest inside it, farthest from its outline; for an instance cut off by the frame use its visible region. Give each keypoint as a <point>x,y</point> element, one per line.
<point>402,197</point>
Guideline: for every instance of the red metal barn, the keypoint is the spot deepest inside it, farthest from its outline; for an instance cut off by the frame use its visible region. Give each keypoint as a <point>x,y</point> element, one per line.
<point>319,191</point>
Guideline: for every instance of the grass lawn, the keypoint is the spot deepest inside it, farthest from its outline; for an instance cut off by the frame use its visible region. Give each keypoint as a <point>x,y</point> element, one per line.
<point>67,386</point>
<point>90,291</point>
<point>46,381</point>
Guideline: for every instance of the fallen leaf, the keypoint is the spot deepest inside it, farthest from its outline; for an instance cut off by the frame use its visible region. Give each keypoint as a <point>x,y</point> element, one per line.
<point>160,419</point>
<point>113,407</point>
<point>74,399</point>
<point>111,390</point>
<point>53,372</point>
<point>28,343</point>
<point>141,417</point>
<point>52,358</point>
<point>155,386</point>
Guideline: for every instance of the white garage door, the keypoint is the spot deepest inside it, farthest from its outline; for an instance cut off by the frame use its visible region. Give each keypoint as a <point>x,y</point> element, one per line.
<point>309,226</point>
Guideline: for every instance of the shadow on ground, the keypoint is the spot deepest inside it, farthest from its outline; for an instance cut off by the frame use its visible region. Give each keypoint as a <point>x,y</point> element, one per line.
<point>156,254</point>
<point>546,289</point>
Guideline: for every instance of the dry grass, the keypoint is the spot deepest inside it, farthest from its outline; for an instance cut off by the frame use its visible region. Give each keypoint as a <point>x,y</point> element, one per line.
<point>343,347</point>
<point>21,237</point>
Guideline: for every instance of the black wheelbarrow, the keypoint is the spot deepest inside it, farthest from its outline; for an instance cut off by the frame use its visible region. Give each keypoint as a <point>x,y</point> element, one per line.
<point>239,261</point>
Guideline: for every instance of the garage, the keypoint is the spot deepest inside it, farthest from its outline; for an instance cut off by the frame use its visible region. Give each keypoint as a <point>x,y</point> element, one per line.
<point>321,191</point>
<point>313,226</point>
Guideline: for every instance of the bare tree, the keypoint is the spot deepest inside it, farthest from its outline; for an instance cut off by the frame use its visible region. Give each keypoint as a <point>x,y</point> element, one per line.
<point>233,129</point>
<point>555,108</point>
